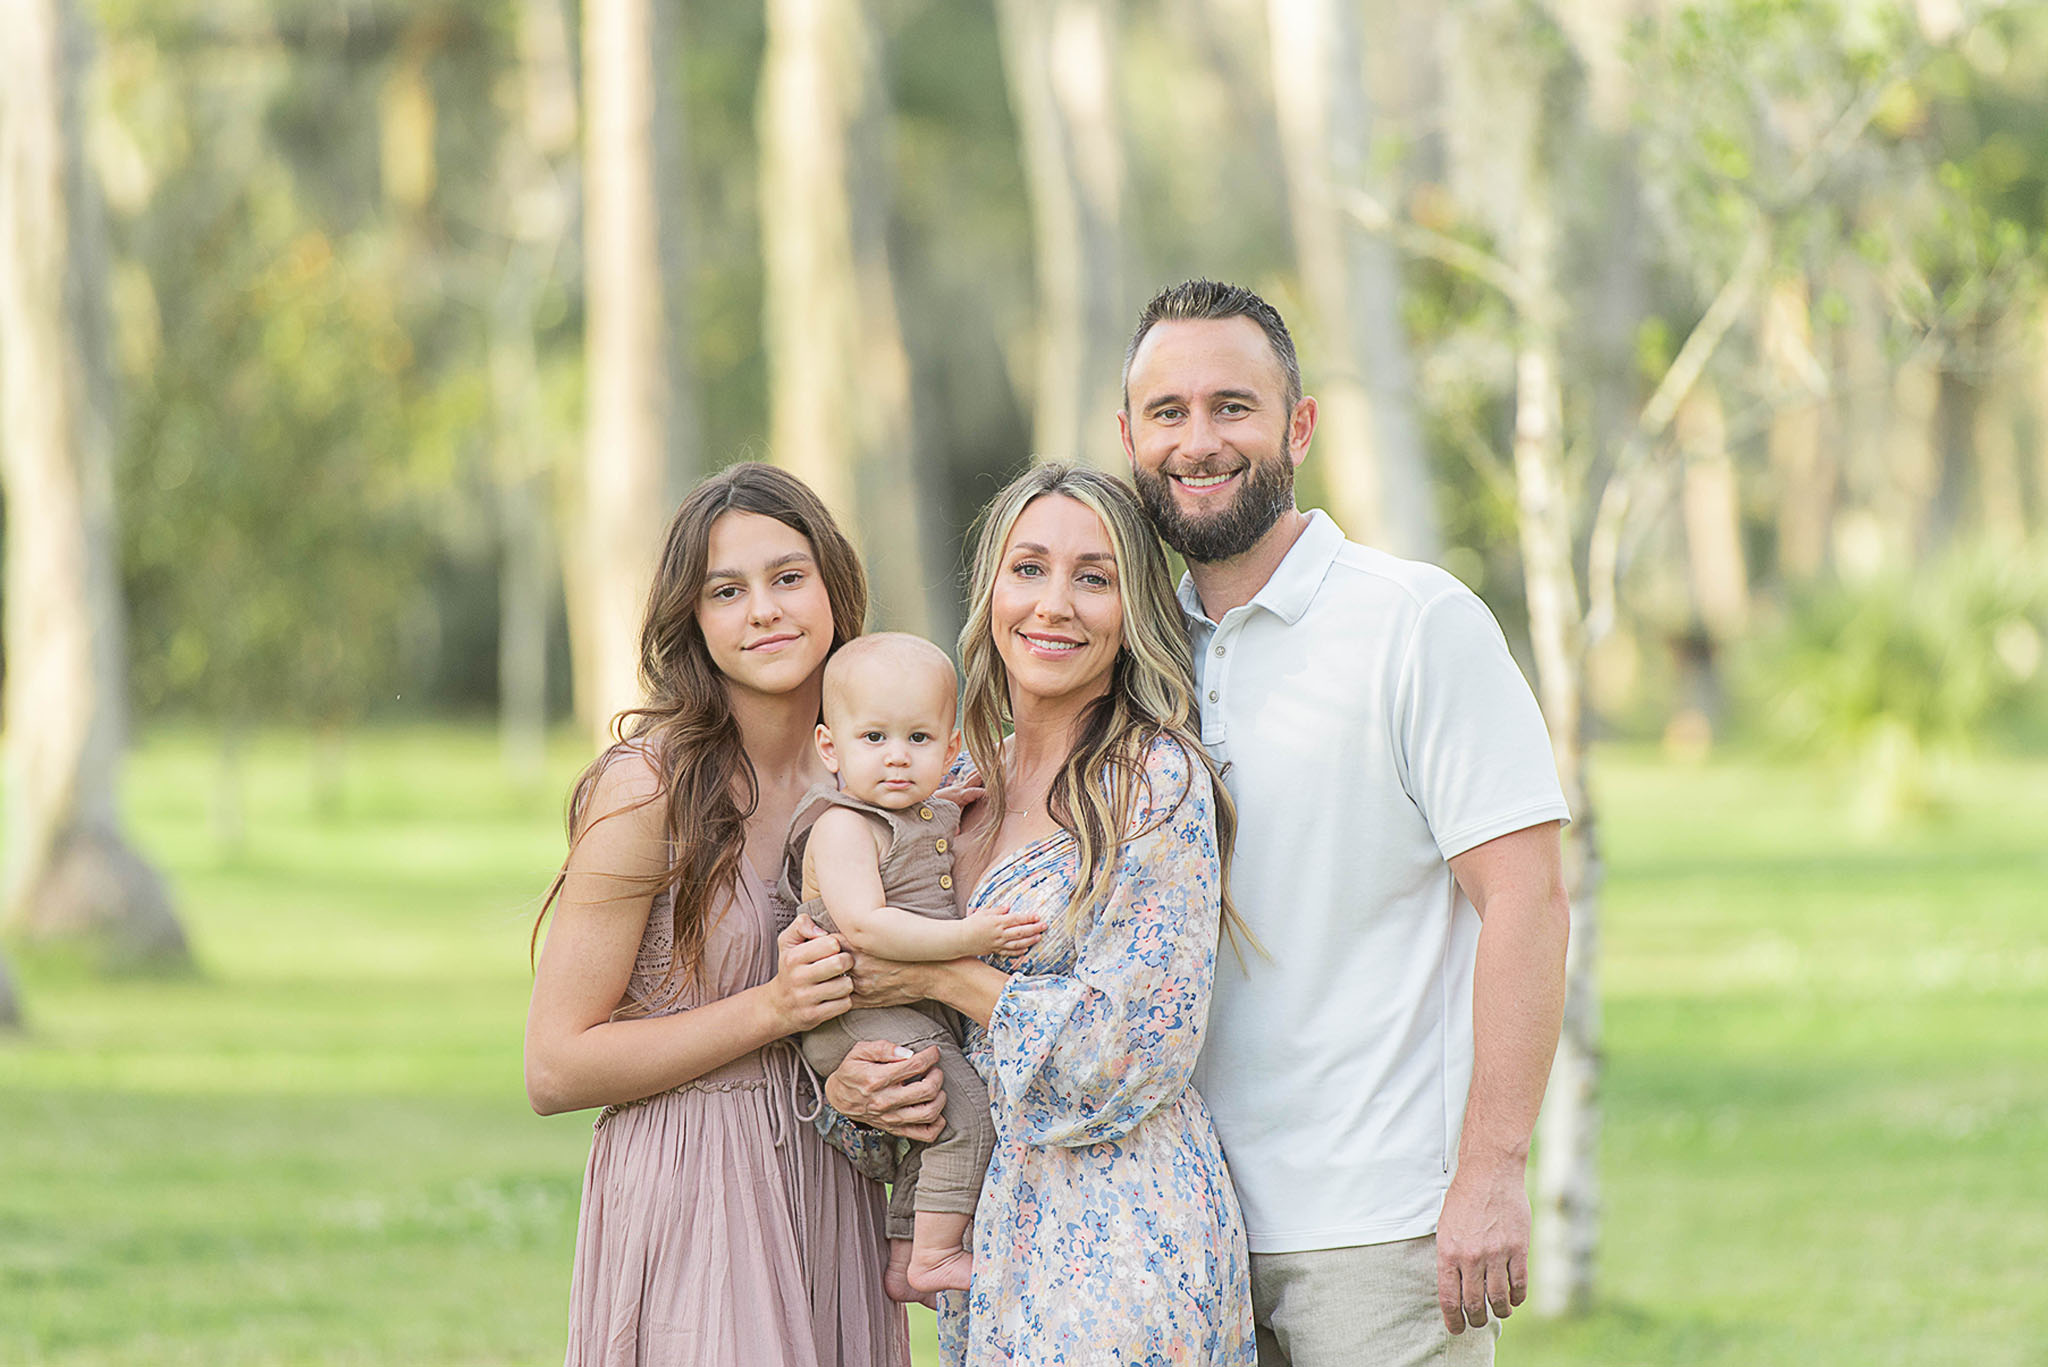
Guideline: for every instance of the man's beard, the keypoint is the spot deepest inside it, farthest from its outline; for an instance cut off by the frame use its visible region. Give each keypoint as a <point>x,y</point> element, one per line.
<point>1267,492</point>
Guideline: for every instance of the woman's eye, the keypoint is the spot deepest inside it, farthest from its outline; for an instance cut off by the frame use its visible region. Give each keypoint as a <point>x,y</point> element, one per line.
<point>789,577</point>
<point>725,593</point>
<point>1027,570</point>
<point>1095,581</point>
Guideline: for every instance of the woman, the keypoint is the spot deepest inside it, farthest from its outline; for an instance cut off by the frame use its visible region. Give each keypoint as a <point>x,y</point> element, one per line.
<point>1107,1229</point>
<point>715,1230</point>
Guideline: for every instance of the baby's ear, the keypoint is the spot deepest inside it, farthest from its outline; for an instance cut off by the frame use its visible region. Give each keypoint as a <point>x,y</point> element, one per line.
<point>953,746</point>
<point>822,737</point>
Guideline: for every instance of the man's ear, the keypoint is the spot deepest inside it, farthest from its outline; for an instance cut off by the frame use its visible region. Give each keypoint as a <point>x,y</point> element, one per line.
<point>1301,427</point>
<point>1123,431</point>
<point>823,739</point>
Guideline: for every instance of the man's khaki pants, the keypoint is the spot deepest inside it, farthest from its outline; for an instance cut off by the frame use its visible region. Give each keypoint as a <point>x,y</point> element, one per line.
<point>1370,1306</point>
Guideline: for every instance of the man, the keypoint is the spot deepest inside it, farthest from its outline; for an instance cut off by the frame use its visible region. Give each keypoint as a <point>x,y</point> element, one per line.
<point>1376,1074</point>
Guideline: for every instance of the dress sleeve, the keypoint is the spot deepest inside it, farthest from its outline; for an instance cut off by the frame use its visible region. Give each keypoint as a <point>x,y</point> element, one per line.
<point>1080,1057</point>
<point>874,1153</point>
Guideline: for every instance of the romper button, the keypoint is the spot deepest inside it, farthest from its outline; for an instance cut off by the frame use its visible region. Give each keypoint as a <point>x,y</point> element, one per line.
<point>1212,695</point>
<point>925,813</point>
<point>942,845</point>
<point>946,880</point>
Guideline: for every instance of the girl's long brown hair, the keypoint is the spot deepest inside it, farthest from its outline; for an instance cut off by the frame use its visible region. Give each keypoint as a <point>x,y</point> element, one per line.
<point>686,727</point>
<point>1151,692</point>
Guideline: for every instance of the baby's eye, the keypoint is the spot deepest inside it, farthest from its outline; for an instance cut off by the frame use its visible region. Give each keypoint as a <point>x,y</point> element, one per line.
<point>871,737</point>
<point>920,737</point>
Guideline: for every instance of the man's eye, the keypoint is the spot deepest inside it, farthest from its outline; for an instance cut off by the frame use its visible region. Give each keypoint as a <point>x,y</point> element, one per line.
<point>1235,408</point>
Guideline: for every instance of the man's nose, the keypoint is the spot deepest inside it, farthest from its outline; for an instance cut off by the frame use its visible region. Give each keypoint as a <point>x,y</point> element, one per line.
<point>1200,437</point>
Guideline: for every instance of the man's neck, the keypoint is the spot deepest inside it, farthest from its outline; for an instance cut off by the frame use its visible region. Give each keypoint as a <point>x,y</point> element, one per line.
<point>1226,584</point>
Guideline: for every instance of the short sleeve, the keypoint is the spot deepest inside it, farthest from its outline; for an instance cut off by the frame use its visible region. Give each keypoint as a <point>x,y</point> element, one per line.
<point>1476,758</point>
<point>1081,1057</point>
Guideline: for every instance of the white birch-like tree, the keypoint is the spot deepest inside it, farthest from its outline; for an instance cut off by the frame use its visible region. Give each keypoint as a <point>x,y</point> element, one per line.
<point>641,440</point>
<point>70,870</point>
<point>537,157</point>
<point>1060,61</point>
<point>1377,465</point>
<point>840,377</point>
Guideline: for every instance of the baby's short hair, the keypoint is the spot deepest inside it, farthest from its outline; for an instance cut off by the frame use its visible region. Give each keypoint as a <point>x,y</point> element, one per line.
<point>892,657</point>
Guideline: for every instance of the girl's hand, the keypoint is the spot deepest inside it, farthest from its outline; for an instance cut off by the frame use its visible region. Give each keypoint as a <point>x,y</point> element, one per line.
<point>1008,933</point>
<point>812,981</point>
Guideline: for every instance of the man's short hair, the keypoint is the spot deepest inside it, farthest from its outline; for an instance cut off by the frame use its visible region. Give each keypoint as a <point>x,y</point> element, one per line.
<point>1205,299</point>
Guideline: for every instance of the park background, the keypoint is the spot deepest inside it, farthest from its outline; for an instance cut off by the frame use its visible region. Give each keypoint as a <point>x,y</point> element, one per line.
<point>355,351</point>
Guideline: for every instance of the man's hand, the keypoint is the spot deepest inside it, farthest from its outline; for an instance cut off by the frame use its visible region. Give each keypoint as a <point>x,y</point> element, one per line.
<point>887,1086</point>
<point>1482,1244</point>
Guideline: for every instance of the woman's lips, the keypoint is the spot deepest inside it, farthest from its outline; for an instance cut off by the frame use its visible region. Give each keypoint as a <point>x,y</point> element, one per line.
<point>773,642</point>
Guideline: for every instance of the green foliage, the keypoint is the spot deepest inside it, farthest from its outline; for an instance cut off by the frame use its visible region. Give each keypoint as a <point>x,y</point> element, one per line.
<point>1903,669</point>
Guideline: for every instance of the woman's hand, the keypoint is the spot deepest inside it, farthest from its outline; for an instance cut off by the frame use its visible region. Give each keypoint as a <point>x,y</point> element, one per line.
<point>963,795</point>
<point>812,981</point>
<point>887,1086</point>
<point>889,982</point>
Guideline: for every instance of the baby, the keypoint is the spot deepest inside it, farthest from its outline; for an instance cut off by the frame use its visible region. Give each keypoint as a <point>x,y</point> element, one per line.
<point>874,865</point>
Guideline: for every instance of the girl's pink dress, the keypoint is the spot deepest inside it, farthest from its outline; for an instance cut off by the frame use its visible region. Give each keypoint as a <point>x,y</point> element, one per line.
<point>717,1229</point>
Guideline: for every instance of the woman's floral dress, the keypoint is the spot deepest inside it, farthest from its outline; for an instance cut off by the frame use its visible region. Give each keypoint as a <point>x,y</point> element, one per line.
<point>1108,1231</point>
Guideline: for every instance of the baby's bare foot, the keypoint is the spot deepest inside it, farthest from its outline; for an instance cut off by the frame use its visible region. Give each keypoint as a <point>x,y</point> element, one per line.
<point>896,1276</point>
<point>938,1269</point>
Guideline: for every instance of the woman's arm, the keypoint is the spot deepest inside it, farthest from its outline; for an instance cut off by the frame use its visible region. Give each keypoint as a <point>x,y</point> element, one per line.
<point>1083,1056</point>
<point>576,1054</point>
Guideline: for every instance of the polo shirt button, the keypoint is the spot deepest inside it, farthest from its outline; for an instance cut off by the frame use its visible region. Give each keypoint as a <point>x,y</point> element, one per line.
<point>1221,651</point>
<point>1212,695</point>
<point>941,845</point>
<point>946,881</point>
<point>924,813</point>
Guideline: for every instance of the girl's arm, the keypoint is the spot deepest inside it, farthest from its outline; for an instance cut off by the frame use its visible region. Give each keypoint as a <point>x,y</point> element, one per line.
<point>846,854</point>
<point>576,1054</point>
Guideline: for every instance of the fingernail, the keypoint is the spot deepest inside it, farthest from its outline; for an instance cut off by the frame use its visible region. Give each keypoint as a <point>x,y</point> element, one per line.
<point>901,1052</point>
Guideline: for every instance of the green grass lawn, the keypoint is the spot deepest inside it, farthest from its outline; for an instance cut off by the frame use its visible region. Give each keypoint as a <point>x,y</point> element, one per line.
<point>1827,1098</point>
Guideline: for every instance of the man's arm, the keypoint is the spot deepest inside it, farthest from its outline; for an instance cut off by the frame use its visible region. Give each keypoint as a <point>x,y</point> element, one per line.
<point>1516,883</point>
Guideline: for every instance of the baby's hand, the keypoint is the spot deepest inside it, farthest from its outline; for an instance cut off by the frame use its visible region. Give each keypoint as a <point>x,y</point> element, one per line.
<point>1010,933</point>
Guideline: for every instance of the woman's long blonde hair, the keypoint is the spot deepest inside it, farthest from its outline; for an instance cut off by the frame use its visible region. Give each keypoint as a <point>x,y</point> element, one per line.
<point>686,727</point>
<point>1151,691</point>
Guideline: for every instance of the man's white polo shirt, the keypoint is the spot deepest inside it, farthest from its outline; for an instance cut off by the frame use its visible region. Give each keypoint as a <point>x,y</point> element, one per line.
<point>1373,725</point>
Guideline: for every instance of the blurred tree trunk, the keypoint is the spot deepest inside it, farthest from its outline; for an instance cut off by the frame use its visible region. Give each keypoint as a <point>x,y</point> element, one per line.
<point>2001,492</point>
<point>642,440</point>
<point>70,871</point>
<point>1060,58</point>
<point>1807,470</point>
<point>1712,508</point>
<point>536,178</point>
<point>838,369</point>
<point>1515,125</point>
<point>1377,465</point>
<point>10,1008</point>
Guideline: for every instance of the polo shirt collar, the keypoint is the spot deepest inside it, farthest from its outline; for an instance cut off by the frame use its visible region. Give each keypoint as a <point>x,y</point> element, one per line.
<point>1294,583</point>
